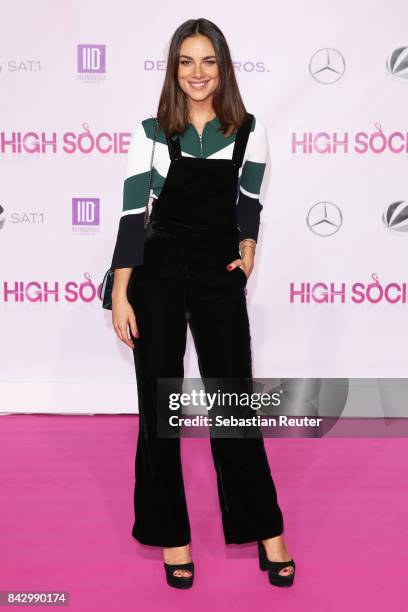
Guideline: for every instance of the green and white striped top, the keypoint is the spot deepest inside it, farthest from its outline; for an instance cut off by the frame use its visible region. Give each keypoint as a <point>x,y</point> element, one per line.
<point>211,145</point>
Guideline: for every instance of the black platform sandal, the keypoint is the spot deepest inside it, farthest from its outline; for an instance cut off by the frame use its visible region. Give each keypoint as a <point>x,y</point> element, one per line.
<point>274,567</point>
<point>179,582</point>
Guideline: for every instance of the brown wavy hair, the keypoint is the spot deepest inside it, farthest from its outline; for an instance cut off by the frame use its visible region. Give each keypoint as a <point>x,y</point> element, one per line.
<point>172,112</point>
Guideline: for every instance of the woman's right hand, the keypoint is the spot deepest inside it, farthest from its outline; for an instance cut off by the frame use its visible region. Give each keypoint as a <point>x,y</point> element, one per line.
<point>123,316</point>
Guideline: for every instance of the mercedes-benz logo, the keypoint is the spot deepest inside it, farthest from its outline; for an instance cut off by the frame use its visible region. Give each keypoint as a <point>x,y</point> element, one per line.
<point>395,217</point>
<point>327,66</point>
<point>397,63</point>
<point>324,218</point>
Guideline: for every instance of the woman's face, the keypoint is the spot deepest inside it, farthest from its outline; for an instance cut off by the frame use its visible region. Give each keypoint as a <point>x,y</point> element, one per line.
<point>198,74</point>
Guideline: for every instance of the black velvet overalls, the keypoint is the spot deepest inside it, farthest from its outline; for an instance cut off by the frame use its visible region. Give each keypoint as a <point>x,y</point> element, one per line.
<point>191,237</point>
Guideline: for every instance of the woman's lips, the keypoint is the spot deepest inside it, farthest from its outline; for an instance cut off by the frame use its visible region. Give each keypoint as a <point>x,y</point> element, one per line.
<point>198,84</point>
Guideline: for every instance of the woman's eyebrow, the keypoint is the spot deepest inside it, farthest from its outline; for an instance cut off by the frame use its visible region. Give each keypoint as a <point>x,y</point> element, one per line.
<point>188,57</point>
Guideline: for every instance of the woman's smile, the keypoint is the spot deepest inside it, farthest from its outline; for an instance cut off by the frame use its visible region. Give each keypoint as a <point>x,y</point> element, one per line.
<point>198,84</point>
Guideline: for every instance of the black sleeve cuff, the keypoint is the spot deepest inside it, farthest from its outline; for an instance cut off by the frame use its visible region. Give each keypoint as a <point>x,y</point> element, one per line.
<point>248,216</point>
<point>129,249</point>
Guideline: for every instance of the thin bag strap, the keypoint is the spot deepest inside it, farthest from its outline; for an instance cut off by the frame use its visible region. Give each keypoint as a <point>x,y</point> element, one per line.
<point>147,215</point>
<point>241,140</point>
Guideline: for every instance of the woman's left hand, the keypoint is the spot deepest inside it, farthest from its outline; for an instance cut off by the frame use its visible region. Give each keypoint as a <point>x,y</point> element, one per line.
<point>246,264</point>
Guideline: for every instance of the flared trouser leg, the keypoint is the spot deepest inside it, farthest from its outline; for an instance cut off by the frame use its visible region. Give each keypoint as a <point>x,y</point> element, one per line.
<point>161,516</point>
<point>247,495</point>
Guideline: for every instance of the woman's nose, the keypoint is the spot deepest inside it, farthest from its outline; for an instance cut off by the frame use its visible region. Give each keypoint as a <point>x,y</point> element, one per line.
<point>197,70</point>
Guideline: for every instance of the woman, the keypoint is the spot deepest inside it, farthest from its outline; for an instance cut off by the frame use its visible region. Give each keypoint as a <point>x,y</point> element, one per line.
<point>191,265</point>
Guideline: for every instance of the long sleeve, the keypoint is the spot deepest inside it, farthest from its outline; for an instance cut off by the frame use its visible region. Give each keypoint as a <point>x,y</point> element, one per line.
<point>129,247</point>
<point>248,205</point>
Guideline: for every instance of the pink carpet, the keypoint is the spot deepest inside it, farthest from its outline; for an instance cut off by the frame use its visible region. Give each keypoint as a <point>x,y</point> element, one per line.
<point>66,515</point>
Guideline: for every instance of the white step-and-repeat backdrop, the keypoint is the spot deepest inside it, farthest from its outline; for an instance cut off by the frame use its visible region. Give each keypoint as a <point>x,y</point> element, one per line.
<point>328,296</point>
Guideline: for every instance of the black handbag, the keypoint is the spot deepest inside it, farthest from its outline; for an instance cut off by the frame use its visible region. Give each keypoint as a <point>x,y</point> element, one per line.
<point>107,283</point>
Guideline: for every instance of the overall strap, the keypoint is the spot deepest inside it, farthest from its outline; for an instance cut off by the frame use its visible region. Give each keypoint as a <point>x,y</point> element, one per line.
<point>174,147</point>
<point>241,140</point>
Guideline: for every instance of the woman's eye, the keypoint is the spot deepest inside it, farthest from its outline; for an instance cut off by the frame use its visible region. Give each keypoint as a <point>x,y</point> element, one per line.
<point>185,62</point>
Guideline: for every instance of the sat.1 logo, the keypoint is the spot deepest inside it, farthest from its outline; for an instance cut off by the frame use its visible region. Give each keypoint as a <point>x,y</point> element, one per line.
<point>395,217</point>
<point>2,216</point>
